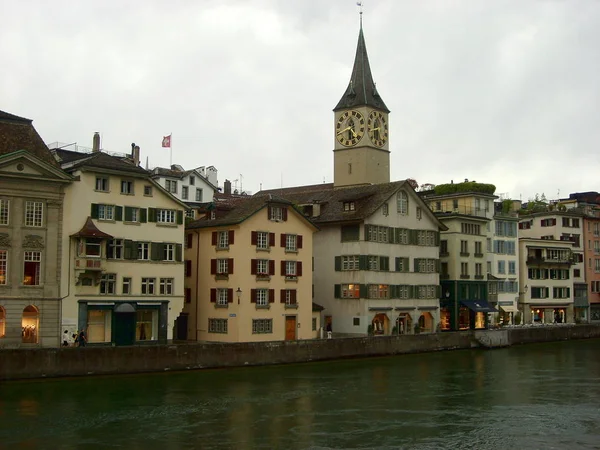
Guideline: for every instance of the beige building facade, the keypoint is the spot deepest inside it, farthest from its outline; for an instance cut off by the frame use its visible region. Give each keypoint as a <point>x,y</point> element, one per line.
<point>31,204</point>
<point>122,255</point>
<point>249,273</point>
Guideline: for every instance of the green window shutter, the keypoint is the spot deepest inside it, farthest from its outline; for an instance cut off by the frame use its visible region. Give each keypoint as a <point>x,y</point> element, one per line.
<point>363,262</point>
<point>405,265</point>
<point>438,291</point>
<point>411,292</point>
<point>178,253</point>
<point>129,249</point>
<point>437,238</point>
<point>337,291</point>
<point>363,290</point>
<point>143,215</point>
<point>391,235</point>
<point>179,217</point>
<point>393,291</point>
<point>119,213</point>
<point>157,251</point>
<point>412,237</point>
<point>94,212</point>
<point>416,265</point>
<point>398,263</point>
<point>384,263</point>
<point>437,266</point>
<point>151,214</point>
<point>338,263</point>
<point>128,213</point>
<point>367,232</point>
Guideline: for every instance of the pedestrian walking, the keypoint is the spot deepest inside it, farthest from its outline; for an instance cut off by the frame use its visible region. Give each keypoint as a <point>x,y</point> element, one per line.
<point>328,330</point>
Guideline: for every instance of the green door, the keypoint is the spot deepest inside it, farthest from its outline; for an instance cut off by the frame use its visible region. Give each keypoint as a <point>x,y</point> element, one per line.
<point>124,327</point>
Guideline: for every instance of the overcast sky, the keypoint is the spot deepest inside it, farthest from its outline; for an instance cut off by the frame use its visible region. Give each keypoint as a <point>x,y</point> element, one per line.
<point>502,92</point>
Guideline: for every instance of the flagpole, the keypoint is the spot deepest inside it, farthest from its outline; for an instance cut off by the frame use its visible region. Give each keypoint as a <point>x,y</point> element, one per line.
<point>171,150</point>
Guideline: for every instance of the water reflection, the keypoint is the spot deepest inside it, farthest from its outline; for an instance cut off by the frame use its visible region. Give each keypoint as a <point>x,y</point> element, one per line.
<point>531,396</point>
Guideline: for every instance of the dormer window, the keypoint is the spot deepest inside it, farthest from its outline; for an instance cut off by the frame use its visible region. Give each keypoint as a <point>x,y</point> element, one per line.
<point>349,206</point>
<point>277,213</point>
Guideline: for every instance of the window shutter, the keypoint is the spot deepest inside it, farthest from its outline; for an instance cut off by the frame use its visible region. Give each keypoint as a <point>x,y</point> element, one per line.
<point>253,238</point>
<point>128,249</point>
<point>270,212</point>
<point>119,213</point>
<point>299,268</point>
<point>271,239</point>
<point>405,265</point>
<point>299,241</point>
<point>284,214</point>
<point>252,295</point>
<point>437,238</point>
<point>283,268</point>
<point>293,296</point>
<point>231,237</point>
<point>384,263</point>
<point>282,240</point>
<point>179,217</point>
<point>94,212</point>
<point>229,295</point>
<point>156,251</point>
<point>178,252</point>
<point>282,299</point>
<point>271,267</point>
<point>189,240</point>
<point>411,292</point>
<point>213,266</point>
<point>338,263</point>
<point>230,266</point>
<point>437,266</point>
<point>252,267</point>
<point>416,264</point>
<point>213,295</point>
<point>214,238</point>
<point>398,263</point>
<point>151,214</point>
<point>363,290</point>
<point>367,232</point>
<point>568,289</point>
<point>363,262</point>
<point>271,295</point>
<point>128,213</point>
<point>143,215</point>
<point>337,290</point>
<point>188,268</point>
<point>438,291</point>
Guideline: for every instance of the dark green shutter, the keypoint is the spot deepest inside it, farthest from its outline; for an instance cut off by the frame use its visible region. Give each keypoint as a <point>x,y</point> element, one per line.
<point>94,212</point>
<point>412,237</point>
<point>438,291</point>
<point>128,214</point>
<point>178,253</point>
<point>143,215</point>
<point>367,232</point>
<point>129,249</point>
<point>437,266</point>
<point>338,263</point>
<point>384,263</point>
<point>179,217</point>
<point>393,291</point>
<point>416,264</point>
<point>157,251</point>
<point>411,292</point>
<point>119,213</point>
<point>437,238</point>
<point>406,262</point>
<point>363,290</point>
<point>151,214</point>
<point>337,291</point>
<point>363,262</point>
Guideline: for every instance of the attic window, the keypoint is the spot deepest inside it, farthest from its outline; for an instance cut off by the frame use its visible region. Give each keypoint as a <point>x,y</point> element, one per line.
<point>213,215</point>
<point>349,206</point>
<point>148,191</point>
<point>385,209</point>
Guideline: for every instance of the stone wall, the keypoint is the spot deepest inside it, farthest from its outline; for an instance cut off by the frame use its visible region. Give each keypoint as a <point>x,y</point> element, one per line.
<point>60,362</point>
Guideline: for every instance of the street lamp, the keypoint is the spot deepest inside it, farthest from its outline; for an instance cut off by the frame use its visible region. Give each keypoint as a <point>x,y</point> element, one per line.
<point>239,294</point>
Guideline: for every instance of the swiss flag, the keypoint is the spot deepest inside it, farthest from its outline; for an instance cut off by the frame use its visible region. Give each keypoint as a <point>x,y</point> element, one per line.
<point>166,142</point>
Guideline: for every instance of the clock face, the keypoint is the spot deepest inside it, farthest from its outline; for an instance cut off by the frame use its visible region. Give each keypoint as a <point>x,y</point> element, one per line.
<point>377,128</point>
<point>350,128</point>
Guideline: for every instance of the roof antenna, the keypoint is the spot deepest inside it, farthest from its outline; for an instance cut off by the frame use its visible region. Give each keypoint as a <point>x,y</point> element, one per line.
<point>360,5</point>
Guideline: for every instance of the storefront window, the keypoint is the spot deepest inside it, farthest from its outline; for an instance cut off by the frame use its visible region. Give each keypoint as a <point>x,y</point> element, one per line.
<point>146,325</point>
<point>538,315</point>
<point>479,320</point>
<point>30,325</point>
<point>559,315</point>
<point>463,318</point>
<point>99,322</point>
<point>445,319</point>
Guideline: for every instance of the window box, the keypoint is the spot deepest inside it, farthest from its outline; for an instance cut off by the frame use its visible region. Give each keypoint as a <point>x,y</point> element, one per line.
<point>442,254</point>
<point>263,306</point>
<point>221,306</point>
<point>222,276</point>
<point>464,253</point>
<point>291,306</point>
<point>478,255</point>
<point>465,277</point>
<point>263,277</point>
<point>291,278</point>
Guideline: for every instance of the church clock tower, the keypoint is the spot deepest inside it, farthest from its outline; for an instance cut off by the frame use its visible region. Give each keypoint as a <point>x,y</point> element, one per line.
<point>361,154</point>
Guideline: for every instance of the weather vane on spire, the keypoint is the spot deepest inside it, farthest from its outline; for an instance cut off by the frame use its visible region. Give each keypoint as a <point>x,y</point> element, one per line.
<point>360,6</point>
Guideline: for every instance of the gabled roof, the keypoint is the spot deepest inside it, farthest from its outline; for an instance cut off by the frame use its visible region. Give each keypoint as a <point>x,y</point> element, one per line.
<point>97,160</point>
<point>236,210</point>
<point>18,133</point>
<point>367,200</point>
<point>164,172</point>
<point>361,90</point>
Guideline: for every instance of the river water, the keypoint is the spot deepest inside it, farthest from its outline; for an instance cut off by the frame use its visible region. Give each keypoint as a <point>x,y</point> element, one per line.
<point>544,396</point>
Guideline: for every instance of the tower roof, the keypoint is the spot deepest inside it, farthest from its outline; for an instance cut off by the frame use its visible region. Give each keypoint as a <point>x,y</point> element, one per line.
<point>361,90</point>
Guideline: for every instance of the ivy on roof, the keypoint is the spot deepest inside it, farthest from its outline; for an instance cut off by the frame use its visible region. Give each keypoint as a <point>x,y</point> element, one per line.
<point>467,186</point>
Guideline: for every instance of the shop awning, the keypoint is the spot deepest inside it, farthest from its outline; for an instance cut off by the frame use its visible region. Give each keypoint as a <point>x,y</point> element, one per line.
<point>404,308</point>
<point>380,308</point>
<point>509,308</point>
<point>478,306</point>
<point>427,308</point>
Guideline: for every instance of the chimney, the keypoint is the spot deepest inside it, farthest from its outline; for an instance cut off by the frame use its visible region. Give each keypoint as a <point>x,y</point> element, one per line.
<point>136,155</point>
<point>227,187</point>
<point>96,142</point>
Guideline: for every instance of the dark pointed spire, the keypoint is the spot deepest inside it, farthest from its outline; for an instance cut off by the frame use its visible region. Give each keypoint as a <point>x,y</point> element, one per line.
<point>361,90</point>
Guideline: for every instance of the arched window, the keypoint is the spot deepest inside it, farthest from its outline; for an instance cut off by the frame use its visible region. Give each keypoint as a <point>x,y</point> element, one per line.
<point>2,322</point>
<point>402,203</point>
<point>30,325</point>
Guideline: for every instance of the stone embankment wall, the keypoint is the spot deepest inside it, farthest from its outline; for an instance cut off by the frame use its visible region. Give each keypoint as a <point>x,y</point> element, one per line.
<point>62,362</point>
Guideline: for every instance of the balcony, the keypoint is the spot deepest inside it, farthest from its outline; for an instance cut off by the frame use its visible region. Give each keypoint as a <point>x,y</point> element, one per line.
<point>90,264</point>
<point>537,260</point>
<point>478,255</point>
<point>459,210</point>
<point>465,277</point>
<point>443,254</point>
<point>464,253</point>
<point>479,277</point>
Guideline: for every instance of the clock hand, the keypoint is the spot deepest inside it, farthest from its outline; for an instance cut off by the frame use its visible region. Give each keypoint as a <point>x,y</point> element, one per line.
<point>375,129</point>
<point>353,132</point>
<point>345,129</point>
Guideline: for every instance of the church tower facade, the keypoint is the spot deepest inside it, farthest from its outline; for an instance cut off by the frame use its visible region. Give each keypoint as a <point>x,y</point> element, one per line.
<point>361,154</point>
